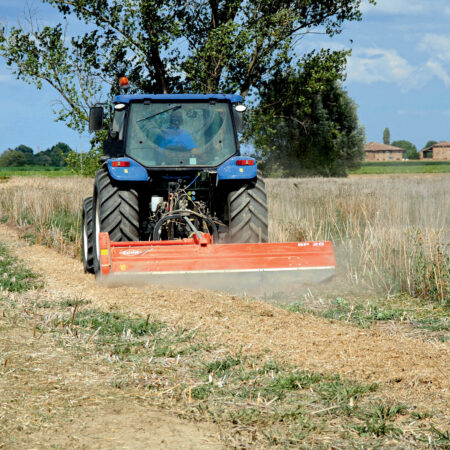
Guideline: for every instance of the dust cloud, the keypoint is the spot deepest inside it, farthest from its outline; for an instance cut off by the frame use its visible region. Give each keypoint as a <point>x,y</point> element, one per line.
<point>264,285</point>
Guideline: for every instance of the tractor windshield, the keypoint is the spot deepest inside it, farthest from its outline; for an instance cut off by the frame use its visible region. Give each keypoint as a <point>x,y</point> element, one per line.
<point>180,134</point>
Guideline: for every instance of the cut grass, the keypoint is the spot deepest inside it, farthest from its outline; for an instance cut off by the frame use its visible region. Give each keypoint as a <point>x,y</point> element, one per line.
<point>393,167</point>
<point>256,401</point>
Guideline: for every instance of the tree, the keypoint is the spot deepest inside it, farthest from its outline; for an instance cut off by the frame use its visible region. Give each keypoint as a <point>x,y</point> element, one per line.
<point>54,156</point>
<point>28,153</point>
<point>386,136</point>
<point>411,149</point>
<point>12,158</point>
<point>311,126</point>
<point>430,143</point>
<point>42,159</point>
<point>166,46</point>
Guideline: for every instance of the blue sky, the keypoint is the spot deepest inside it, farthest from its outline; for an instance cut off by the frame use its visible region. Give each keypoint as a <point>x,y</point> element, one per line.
<point>398,74</point>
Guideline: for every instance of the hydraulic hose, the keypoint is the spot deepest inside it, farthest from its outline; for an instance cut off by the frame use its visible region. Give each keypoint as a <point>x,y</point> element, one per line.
<point>181,215</point>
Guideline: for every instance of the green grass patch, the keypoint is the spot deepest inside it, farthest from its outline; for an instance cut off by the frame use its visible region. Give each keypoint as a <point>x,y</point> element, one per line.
<point>125,336</point>
<point>15,277</point>
<point>401,308</point>
<point>28,171</point>
<point>386,167</point>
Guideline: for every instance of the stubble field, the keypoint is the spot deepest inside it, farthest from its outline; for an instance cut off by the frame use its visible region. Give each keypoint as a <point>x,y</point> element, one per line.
<point>360,362</point>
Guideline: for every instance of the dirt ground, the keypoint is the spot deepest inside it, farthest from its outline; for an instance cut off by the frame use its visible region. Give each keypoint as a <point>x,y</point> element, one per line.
<point>411,370</point>
<point>39,379</point>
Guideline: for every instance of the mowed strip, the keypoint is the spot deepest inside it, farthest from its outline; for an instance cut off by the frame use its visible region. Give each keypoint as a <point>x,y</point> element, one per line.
<point>409,370</point>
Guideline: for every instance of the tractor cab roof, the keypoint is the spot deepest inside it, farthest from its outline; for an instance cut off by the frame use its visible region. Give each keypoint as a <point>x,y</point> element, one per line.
<point>232,98</point>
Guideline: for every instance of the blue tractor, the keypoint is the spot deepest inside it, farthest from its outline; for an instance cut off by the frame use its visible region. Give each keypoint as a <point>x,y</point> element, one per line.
<point>172,168</point>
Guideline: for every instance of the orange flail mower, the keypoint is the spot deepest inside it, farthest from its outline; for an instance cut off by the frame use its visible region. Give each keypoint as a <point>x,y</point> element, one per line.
<point>197,262</point>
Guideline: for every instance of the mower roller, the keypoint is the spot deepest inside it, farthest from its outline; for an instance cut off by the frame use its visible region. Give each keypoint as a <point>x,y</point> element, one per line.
<point>176,204</point>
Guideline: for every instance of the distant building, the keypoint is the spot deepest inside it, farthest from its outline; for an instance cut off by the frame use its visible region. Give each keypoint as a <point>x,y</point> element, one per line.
<point>382,152</point>
<point>437,152</point>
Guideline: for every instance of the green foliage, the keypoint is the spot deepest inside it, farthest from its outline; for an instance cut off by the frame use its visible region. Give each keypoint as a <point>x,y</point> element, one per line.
<point>411,149</point>
<point>28,153</point>
<point>88,163</point>
<point>230,46</point>
<point>305,123</point>
<point>430,143</point>
<point>23,155</point>
<point>43,55</point>
<point>386,136</point>
<point>84,163</point>
<point>12,158</point>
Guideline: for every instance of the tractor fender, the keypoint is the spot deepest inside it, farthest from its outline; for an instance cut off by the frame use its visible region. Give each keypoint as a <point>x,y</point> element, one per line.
<point>126,169</point>
<point>231,170</point>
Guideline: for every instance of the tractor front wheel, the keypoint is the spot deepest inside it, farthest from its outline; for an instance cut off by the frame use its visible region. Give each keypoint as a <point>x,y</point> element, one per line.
<point>116,211</point>
<point>248,214</point>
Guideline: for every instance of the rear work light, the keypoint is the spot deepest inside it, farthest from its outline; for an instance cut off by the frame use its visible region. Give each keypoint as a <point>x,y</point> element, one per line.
<point>121,163</point>
<point>245,162</point>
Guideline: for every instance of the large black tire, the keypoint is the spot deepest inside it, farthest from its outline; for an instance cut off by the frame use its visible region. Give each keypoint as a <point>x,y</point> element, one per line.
<point>116,211</point>
<point>87,238</point>
<point>248,214</point>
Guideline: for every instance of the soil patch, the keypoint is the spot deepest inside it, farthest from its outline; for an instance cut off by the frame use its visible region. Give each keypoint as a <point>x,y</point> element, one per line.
<point>55,397</point>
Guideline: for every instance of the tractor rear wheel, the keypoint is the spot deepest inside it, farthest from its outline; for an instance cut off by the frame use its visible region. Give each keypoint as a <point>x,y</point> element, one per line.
<point>116,211</point>
<point>87,239</point>
<point>248,214</point>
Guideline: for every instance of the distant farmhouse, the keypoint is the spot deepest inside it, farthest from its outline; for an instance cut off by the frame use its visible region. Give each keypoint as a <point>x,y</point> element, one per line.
<point>437,152</point>
<point>382,152</point>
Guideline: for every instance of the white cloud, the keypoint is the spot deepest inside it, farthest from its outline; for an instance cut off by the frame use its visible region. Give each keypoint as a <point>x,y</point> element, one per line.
<point>437,45</point>
<point>406,7</point>
<point>396,6</point>
<point>436,69</point>
<point>374,64</point>
<point>370,65</point>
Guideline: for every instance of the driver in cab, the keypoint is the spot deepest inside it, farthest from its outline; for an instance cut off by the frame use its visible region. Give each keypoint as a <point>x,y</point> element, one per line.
<point>174,138</point>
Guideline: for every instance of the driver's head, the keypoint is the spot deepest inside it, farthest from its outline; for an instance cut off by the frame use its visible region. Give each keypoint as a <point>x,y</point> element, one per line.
<point>176,118</point>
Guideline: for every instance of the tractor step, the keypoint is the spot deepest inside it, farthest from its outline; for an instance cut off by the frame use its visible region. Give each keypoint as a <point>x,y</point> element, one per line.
<point>196,262</point>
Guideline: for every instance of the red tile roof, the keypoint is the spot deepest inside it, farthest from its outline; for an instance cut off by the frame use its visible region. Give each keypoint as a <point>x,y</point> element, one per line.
<point>439,144</point>
<point>376,147</point>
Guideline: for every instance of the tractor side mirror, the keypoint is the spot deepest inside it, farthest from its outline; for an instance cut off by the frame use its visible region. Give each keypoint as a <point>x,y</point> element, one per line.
<point>238,113</point>
<point>96,118</point>
<point>238,120</point>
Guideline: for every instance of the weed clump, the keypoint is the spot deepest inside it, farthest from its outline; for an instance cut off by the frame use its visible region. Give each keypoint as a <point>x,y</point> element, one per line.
<point>15,277</point>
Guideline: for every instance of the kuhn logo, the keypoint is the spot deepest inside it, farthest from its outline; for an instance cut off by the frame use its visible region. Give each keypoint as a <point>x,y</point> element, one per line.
<point>131,252</point>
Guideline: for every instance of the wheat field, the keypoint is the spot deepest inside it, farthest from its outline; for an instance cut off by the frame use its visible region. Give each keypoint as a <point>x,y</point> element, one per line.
<point>390,233</point>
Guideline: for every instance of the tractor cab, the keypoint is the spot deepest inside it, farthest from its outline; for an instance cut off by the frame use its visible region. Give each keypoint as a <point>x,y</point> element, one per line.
<point>179,131</point>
